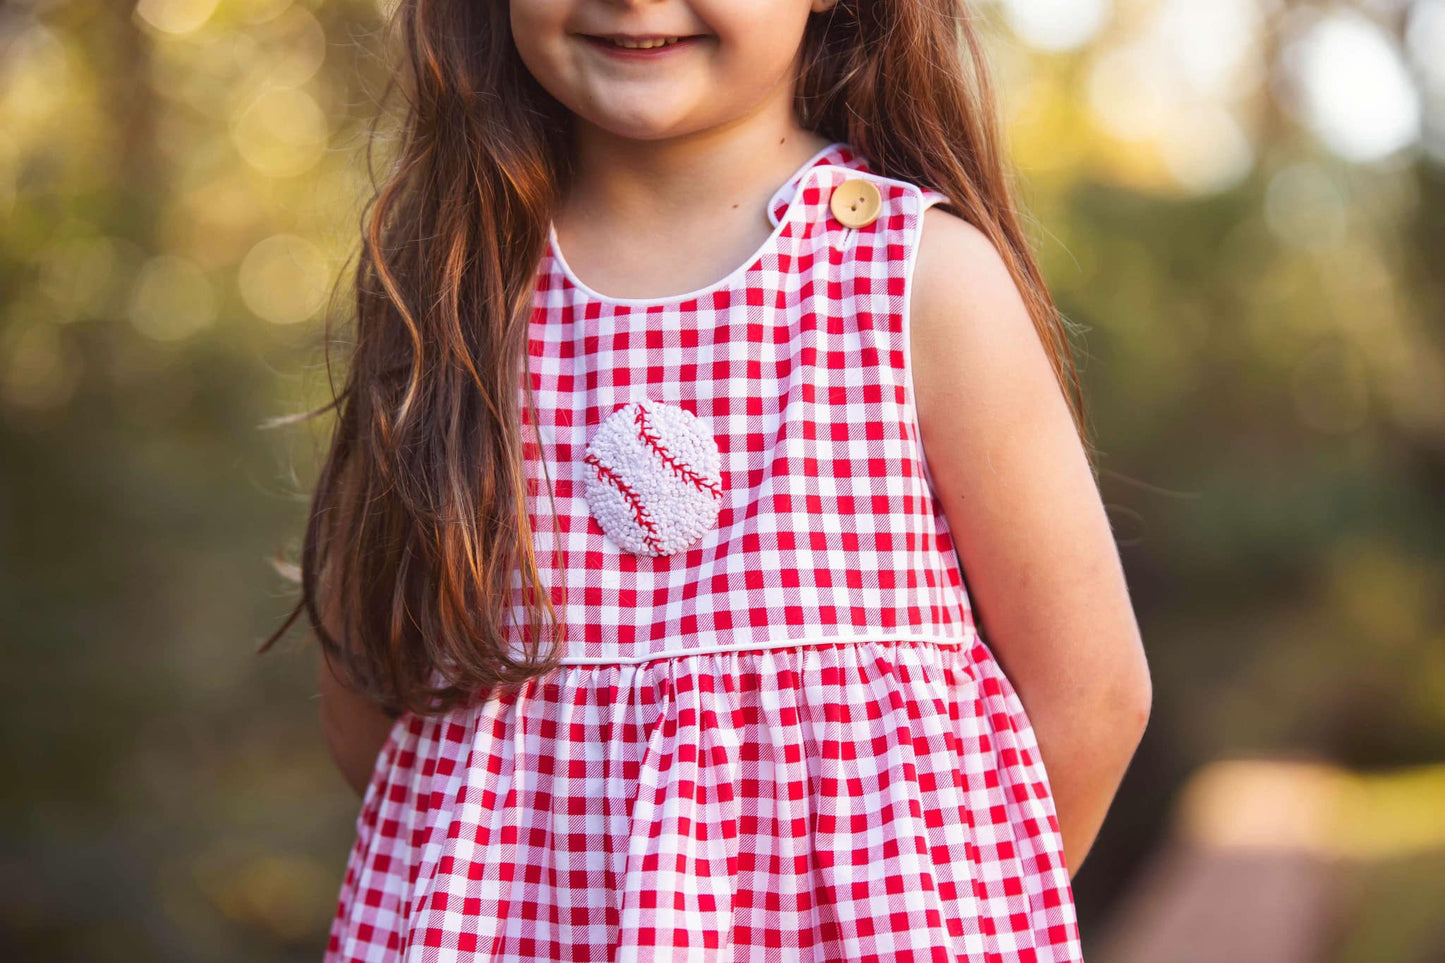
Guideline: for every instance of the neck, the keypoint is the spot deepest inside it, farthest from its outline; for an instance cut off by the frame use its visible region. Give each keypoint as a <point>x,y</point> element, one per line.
<point>697,175</point>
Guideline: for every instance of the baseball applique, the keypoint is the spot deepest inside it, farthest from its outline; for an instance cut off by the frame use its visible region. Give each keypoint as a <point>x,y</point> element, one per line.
<point>654,480</point>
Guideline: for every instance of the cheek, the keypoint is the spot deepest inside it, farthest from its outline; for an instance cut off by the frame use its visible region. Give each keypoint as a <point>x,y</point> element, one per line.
<point>759,40</point>
<point>537,33</point>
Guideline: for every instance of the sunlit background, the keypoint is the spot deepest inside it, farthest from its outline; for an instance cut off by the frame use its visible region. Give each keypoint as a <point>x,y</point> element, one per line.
<point>1243,203</point>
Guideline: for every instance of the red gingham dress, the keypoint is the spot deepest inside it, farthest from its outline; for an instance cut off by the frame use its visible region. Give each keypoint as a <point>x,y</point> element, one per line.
<point>786,741</point>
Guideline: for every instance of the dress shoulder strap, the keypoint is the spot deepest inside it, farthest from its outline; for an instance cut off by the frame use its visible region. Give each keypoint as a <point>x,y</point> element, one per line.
<point>932,197</point>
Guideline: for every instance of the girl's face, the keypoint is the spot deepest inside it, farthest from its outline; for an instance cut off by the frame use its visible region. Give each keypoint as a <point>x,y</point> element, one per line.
<point>736,56</point>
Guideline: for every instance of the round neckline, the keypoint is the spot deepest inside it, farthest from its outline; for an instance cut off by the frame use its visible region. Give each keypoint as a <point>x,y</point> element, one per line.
<point>799,174</point>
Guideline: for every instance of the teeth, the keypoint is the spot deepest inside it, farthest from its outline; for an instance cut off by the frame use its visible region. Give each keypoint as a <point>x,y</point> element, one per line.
<point>644,44</point>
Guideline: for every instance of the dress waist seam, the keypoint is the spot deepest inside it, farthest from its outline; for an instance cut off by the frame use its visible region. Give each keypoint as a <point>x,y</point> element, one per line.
<point>834,639</point>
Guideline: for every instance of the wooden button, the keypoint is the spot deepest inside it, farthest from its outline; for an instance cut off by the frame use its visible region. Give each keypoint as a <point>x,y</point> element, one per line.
<point>856,202</point>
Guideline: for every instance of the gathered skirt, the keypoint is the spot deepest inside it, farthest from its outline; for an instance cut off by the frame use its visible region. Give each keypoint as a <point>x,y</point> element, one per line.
<point>851,801</point>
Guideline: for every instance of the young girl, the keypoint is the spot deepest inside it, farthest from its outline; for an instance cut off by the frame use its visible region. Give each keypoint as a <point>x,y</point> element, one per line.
<point>700,354</point>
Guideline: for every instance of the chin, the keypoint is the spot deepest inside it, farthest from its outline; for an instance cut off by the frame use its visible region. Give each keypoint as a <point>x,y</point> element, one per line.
<point>640,128</point>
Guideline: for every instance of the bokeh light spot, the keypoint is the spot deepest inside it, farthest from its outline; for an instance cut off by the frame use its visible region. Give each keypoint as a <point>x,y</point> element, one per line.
<point>1353,88</point>
<point>1057,24</point>
<point>282,132</point>
<point>76,273</point>
<point>172,299</point>
<point>1124,92</point>
<point>283,279</point>
<point>1425,39</point>
<point>1207,151</point>
<point>295,45</point>
<point>176,16</point>
<point>38,368</point>
<point>258,11</point>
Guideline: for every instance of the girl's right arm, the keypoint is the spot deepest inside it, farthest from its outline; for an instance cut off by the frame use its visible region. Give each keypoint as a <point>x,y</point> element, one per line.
<point>354,727</point>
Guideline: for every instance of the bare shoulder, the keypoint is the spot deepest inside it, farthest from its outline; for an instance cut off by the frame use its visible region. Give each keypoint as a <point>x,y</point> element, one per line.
<point>964,298</point>
<point>974,347</point>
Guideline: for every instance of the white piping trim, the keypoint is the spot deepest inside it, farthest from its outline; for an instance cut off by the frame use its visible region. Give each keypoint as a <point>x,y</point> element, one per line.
<point>907,336</point>
<point>795,181</point>
<point>945,640</point>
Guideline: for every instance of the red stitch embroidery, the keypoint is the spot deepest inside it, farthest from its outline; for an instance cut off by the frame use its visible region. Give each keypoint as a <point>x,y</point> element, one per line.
<point>639,511</point>
<point>679,468</point>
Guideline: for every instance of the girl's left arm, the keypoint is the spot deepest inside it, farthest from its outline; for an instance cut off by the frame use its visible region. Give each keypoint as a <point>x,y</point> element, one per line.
<point>1043,572</point>
<point>355,729</point>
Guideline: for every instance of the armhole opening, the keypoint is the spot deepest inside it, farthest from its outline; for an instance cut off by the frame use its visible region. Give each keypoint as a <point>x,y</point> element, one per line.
<point>927,199</point>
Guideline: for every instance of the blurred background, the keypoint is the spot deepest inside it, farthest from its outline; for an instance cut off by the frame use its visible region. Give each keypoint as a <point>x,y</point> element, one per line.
<point>1242,201</point>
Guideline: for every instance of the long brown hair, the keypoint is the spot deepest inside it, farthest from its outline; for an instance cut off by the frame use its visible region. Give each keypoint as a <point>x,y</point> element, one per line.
<point>418,523</point>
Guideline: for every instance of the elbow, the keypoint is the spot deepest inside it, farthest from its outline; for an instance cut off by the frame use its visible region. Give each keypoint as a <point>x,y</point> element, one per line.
<point>1141,706</point>
<point>1117,717</point>
<point>1122,698</point>
<point>1133,700</point>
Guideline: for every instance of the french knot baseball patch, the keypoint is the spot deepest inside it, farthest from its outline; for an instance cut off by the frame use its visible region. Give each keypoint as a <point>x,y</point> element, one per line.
<point>655,480</point>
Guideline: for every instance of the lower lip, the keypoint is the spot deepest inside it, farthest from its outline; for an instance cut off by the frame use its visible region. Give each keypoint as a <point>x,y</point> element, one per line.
<point>641,53</point>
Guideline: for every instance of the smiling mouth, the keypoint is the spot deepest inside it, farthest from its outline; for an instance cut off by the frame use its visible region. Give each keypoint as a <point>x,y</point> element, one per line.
<point>639,43</point>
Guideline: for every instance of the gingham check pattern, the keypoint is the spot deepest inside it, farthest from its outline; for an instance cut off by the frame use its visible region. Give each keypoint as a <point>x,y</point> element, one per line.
<point>787,742</point>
